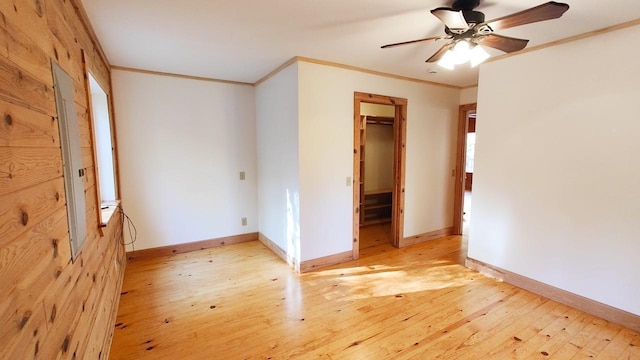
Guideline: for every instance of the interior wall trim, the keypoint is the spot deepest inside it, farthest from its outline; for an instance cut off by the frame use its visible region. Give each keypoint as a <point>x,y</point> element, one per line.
<point>191,246</point>
<point>180,76</point>
<point>588,34</point>
<point>374,72</point>
<point>276,71</point>
<point>460,172</point>
<point>289,62</point>
<point>325,261</point>
<point>609,313</point>
<point>349,67</point>
<point>428,236</point>
<point>279,251</point>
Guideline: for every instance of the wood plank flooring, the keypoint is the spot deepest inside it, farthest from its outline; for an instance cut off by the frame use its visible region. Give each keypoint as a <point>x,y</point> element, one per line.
<point>242,302</point>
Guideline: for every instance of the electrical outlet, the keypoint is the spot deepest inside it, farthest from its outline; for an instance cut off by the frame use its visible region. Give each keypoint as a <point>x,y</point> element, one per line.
<point>242,175</point>
<point>244,221</point>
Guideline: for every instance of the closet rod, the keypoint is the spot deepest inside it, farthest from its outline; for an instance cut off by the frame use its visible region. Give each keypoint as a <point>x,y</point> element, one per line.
<point>380,120</point>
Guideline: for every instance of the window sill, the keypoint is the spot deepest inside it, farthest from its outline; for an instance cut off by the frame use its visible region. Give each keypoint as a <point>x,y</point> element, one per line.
<point>107,209</point>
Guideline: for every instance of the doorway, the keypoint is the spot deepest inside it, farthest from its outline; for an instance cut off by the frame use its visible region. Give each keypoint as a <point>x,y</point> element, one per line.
<point>464,169</point>
<point>378,192</point>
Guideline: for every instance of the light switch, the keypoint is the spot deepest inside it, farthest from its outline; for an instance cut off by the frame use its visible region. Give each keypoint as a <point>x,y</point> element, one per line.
<point>242,176</point>
<point>348,181</point>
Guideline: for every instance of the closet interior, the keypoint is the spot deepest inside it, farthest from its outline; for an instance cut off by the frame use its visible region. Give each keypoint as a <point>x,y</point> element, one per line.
<point>376,163</point>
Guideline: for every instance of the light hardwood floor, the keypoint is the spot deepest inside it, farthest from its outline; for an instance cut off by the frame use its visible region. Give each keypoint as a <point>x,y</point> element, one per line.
<point>242,302</point>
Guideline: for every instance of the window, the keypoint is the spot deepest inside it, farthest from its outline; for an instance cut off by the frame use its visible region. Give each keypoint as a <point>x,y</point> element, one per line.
<point>471,146</point>
<point>103,149</point>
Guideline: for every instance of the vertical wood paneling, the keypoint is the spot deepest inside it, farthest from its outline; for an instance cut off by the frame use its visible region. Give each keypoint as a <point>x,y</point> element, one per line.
<point>32,322</point>
<point>46,246</point>
<point>89,179</point>
<point>29,19</point>
<point>18,86</point>
<point>26,54</point>
<point>21,167</point>
<point>3,36</point>
<point>87,157</point>
<point>24,127</point>
<point>90,201</point>
<point>21,210</point>
<point>84,126</point>
<point>62,31</point>
<point>51,307</point>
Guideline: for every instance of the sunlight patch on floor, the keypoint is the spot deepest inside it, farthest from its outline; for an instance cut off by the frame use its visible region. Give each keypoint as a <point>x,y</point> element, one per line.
<point>351,270</point>
<point>388,281</point>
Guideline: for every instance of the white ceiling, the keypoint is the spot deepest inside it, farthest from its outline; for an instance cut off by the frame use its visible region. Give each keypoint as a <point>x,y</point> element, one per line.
<point>244,40</point>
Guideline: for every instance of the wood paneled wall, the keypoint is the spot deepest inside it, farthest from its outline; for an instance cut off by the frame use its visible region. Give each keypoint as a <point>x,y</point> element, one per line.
<point>50,307</point>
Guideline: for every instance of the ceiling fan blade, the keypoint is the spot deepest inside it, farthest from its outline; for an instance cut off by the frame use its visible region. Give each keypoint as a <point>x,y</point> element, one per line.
<point>548,11</point>
<point>504,43</point>
<point>453,19</point>
<point>411,42</point>
<point>438,54</point>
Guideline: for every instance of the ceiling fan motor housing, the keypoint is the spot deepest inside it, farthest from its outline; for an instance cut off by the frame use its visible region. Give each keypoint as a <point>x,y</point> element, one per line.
<point>465,5</point>
<point>473,17</point>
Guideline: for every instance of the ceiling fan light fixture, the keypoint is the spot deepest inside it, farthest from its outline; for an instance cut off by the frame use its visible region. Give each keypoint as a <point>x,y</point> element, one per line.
<point>477,55</point>
<point>448,60</point>
<point>461,52</point>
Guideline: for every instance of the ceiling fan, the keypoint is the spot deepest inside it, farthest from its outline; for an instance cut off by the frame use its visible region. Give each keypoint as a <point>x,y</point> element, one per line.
<point>466,28</point>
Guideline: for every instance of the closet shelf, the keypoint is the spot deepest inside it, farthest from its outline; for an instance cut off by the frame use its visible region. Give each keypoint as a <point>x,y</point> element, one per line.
<point>375,192</point>
<point>373,207</point>
<point>376,206</point>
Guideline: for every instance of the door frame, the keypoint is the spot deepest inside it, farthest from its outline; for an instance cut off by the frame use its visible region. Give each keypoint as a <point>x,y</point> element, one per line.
<point>399,156</point>
<point>461,162</point>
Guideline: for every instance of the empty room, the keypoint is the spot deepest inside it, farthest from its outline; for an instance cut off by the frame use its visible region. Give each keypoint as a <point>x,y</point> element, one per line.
<point>293,179</point>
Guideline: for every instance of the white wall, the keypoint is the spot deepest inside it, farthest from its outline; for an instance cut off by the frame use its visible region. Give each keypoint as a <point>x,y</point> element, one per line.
<point>556,183</point>
<point>278,172</point>
<point>326,154</point>
<point>469,95</point>
<point>182,145</point>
